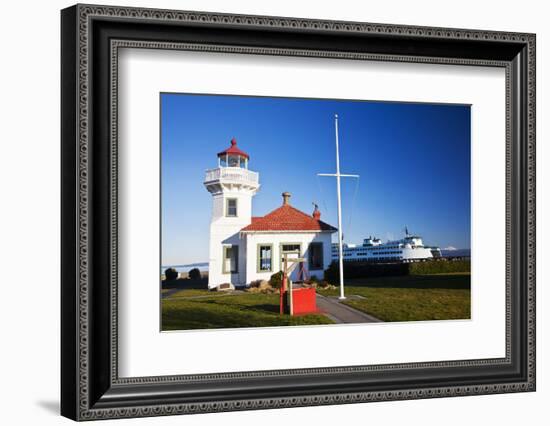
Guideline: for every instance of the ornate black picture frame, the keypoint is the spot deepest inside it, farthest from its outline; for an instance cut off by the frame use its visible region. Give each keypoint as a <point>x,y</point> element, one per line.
<point>91,36</point>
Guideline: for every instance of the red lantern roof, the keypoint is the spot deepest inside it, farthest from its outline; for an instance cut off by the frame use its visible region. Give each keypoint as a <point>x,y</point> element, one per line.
<point>233,150</point>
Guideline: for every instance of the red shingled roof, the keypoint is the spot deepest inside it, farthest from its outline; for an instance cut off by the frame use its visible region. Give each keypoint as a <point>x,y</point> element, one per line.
<point>287,218</point>
<point>233,150</point>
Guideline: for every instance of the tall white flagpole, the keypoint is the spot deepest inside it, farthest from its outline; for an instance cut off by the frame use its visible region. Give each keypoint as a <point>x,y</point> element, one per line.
<point>339,197</point>
<point>338,175</point>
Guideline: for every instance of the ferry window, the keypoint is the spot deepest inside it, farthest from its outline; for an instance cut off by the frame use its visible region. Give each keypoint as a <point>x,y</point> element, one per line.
<point>315,258</point>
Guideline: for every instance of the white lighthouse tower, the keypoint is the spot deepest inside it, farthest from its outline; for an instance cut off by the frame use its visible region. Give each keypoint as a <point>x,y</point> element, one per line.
<point>232,187</point>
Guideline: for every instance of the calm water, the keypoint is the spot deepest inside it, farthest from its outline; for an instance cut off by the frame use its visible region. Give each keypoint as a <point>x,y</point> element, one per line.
<point>456,253</point>
<point>186,268</point>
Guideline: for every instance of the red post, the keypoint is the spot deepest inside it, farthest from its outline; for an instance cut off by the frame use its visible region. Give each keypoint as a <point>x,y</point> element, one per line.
<point>282,290</point>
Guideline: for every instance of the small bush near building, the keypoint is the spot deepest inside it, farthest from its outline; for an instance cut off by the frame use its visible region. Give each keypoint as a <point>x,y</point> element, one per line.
<point>195,274</point>
<point>260,284</point>
<point>323,284</point>
<point>312,281</point>
<point>276,280</point>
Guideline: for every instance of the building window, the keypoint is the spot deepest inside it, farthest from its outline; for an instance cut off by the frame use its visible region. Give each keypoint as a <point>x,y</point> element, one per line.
<point>230,259</point>
<point>291,250</point>
<point>234,161</point>
<point>231,207</point>
<point>315,258</point>
<point>265,255</point>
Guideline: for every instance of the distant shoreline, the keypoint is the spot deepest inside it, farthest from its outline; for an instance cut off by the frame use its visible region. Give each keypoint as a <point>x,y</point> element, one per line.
<point>456,253</point>
<point>202,266</point>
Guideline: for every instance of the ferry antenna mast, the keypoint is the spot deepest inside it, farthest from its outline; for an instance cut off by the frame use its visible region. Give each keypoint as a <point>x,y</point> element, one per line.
<point>338,176</point>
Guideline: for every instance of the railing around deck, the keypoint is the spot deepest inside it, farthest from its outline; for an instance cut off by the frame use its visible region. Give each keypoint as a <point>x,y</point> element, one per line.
<point>235,174</point>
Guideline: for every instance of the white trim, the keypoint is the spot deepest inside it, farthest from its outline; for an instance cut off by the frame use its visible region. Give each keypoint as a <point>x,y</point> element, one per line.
<point>288,232</point>
<point>141,344</point>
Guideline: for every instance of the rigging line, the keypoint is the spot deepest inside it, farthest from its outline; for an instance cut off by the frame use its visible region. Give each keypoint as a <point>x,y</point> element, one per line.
<point>353,203</point>
<point>322,195</point>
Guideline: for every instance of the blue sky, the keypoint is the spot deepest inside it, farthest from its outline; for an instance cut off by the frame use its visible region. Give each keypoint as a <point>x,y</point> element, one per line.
<point>413,159</point>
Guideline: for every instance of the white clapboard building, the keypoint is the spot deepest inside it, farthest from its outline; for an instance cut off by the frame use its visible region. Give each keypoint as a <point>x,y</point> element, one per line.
<point>244,248</point>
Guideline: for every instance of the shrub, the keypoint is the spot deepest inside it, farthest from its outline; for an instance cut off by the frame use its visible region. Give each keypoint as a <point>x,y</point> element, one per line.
<point>171,274</point>
<point>276,280</point>
<point>260,284</point>
<point>195,274</point>
<point>324,284</point>
<point>439,267</point>
<point>367,270</point>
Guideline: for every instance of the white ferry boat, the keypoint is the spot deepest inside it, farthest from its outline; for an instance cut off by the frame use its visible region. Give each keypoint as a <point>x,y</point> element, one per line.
<point>409,249</point>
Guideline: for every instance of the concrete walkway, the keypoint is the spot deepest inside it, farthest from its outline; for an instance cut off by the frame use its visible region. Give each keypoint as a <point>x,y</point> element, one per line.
<point>340,313</point>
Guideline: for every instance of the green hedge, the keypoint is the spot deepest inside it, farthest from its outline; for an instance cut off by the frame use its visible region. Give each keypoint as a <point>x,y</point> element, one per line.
<point>367,270</point>
<point>439,267</point>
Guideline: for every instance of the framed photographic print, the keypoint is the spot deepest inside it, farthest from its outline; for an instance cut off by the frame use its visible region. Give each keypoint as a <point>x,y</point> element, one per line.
<point>264,212</point>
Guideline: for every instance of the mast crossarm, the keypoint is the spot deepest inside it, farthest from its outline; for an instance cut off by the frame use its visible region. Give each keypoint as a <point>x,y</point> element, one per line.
<point>334,175</point>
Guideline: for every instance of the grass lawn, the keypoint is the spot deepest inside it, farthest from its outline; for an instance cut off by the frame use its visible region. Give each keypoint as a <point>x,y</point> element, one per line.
<point>411,298</point>
<point>229,311</point>
<point>190,292</point>
<point>405,298</point>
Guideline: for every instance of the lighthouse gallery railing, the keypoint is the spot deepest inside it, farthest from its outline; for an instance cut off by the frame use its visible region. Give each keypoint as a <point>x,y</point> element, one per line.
<point>232,173</point>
